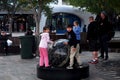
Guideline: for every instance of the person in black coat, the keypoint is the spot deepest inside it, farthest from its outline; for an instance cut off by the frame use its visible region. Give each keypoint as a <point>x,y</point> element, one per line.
<point>104,28</point>
<point>3,41</point>
<point>92,39</point>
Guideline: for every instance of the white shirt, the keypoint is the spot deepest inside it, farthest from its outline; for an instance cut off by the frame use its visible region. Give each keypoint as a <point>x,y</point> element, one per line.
<point>44,40</point>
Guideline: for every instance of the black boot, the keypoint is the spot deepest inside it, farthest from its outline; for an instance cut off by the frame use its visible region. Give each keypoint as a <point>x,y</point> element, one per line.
<point>6,51</point>
<point>101,56</point>
<point>106,57</point>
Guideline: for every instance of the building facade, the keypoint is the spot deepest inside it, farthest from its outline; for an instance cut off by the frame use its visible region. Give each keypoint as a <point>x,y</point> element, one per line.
<point>20,21</point>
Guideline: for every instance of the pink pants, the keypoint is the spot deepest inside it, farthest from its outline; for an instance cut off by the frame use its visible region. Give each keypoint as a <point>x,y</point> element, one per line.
<point>43,57</point>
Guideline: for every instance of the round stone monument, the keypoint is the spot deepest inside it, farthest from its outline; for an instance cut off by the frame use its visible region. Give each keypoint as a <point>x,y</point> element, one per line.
<point>59,59</point>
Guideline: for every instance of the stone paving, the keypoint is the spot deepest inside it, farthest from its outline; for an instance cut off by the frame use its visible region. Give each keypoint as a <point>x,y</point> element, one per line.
<point>16,34</point>
<point>14,68</point>
<point>104,70</point>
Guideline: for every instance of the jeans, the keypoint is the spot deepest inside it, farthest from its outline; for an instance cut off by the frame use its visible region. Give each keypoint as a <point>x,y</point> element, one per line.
<point>74,54</point>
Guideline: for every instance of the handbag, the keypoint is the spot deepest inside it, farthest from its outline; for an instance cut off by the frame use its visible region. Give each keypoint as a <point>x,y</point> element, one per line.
<point>9,42</point>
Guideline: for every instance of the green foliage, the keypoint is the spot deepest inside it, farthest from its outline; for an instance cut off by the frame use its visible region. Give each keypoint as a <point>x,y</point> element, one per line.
<point>38,7</point>
<point>16,5</point>
<point>96,6</point>
<point>11,6</point>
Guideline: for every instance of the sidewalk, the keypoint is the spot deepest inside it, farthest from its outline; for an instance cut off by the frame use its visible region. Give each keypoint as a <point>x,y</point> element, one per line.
<point>15,68</point>
<point>17,34</point>
<point>104,70</point>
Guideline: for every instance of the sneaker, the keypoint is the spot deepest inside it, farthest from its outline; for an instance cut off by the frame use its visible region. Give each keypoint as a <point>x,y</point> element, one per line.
<point>48,67</point>
<point>93,62</point>
<point>69,67</point>
<point>41,66</point>
<point>101,57</point>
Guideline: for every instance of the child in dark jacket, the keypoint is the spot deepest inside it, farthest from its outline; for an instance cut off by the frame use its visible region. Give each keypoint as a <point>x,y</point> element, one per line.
<point>74,48</point>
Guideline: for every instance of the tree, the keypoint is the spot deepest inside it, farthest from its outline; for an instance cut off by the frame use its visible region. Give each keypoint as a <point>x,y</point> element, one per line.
<point>111,7</point>
<point>10,6</point>
<point>96,6</point>
<point>38,7</point>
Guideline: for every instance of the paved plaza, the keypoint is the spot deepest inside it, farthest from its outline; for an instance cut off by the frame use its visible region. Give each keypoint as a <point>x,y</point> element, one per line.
<point>12,67</point>
<point>117,34</point>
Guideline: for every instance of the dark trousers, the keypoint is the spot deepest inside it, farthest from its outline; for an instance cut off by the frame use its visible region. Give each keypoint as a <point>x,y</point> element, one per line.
<point>4,47</point>
<point>104,46</point>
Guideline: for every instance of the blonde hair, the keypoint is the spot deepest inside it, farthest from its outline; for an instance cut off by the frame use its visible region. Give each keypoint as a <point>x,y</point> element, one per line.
<point>76,22</point>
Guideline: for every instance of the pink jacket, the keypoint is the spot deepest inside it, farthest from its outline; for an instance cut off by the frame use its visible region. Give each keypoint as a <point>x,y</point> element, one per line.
<point>45,39</point>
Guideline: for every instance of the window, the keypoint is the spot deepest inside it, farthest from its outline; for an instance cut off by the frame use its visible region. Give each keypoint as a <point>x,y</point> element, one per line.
<point>59,22</point>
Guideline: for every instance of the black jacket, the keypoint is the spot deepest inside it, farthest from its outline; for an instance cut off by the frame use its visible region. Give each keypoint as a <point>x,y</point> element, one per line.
<point>3,40</point>
<point>72,39</point>
<point>92,32</point>
<point>104,27</point>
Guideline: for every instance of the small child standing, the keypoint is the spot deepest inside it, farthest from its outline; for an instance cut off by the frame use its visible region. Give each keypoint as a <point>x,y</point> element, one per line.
<point>74,48</point>
<point>45,39</point>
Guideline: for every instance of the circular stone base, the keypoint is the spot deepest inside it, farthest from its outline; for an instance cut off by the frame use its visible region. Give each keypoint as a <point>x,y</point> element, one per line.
<point>63,73</point>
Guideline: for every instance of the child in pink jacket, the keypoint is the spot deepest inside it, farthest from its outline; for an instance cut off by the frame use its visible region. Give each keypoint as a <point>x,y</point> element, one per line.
<point>45,39</point>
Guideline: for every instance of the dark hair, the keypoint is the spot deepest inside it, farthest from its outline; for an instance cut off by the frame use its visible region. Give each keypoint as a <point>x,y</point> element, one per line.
<point>29,29</point>
<point>45,28</point>
<point>103,12</point>
<point>98,17</point>
<point>69,26</point>
<point>2,31</point>
<point>91,17</point>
